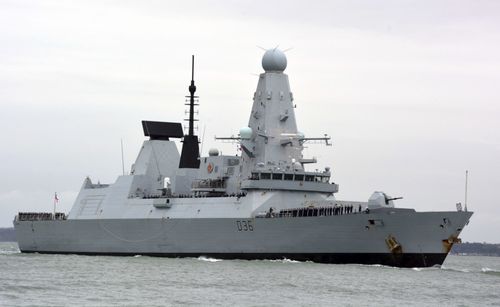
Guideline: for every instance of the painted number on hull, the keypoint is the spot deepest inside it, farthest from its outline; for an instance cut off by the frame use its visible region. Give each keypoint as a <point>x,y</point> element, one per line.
<point>245,225</point>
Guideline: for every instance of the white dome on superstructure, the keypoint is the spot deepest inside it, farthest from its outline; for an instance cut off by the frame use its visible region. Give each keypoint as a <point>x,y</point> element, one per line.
<point>213,152</point>
<point>274,60</point>
<point>246,133</point>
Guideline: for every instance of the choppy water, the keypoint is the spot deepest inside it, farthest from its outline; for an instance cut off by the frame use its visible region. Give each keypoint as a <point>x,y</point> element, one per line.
<point>64,280</point>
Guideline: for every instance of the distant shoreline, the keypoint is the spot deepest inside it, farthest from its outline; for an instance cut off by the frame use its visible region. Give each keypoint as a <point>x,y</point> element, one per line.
<point>476,249</point>
<point>7,235</point>
<point>466,249</point>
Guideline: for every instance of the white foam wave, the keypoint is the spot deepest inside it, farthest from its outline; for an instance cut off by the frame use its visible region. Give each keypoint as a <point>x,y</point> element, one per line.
<point>285,260</point>
<point>488,270</point>
<point>203,258</point>
<point>10,252</point>
<point>378,266</point>
<point>455,269</point>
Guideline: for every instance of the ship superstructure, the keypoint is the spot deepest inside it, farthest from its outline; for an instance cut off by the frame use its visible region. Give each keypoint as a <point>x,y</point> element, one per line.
<point>261,204</point>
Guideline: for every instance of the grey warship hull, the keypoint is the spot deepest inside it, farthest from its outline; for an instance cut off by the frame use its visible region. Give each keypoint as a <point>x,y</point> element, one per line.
<point>424,238</point>
<point>262,203</point>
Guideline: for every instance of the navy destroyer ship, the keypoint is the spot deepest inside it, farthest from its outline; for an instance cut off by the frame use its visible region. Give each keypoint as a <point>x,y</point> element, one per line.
<point>263,203</point>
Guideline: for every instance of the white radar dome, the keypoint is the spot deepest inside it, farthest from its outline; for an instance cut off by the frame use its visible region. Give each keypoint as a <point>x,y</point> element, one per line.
<point>213,152</point>
<point>274,60</point>
<point>246,133</point>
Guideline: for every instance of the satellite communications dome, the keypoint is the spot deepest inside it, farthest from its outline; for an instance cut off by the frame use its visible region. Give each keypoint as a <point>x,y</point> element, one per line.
<point>246,133</point>
<point>213,152</point>
<point>274,60</point>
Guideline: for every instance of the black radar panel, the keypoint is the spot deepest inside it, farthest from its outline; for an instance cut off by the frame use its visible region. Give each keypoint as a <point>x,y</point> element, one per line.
<point>162,130</point>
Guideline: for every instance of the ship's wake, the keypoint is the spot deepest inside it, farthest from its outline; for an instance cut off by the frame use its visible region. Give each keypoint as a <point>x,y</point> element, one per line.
<point>9,252</point>
<point>490,271</point>
<point>208,259</point>
<point>286,260</point>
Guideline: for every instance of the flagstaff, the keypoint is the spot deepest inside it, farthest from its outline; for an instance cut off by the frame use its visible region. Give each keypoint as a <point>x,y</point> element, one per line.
<point>466,179</point>
<point>56,200</point>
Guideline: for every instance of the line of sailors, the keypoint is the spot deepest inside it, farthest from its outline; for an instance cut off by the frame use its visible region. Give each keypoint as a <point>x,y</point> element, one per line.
<point>313,211</point>
<point>204,195</point>
<point>39,216</point>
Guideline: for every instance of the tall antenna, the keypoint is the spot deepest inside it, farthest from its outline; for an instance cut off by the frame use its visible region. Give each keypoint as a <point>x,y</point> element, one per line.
<point>466,179</point>
<point>192,90</point>
<point>190,156</point>
<point>123,162</point>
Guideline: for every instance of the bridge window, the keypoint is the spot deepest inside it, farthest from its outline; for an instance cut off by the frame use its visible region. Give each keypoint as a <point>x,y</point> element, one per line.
<point>265,176</point>
<point>277,176</point>
<point>288,176</point>
<point>309,178</point>
<point>299,177</point>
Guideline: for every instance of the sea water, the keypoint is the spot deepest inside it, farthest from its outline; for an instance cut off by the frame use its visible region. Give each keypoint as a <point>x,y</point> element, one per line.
<point>73,280</point>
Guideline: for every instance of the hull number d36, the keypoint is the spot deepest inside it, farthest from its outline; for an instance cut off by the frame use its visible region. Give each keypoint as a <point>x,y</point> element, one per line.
<point>245,225</point>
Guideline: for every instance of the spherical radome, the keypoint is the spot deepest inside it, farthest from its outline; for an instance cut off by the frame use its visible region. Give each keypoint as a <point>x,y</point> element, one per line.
<point>274,60</point>
<point>213,152</point>
<point>246,133</point>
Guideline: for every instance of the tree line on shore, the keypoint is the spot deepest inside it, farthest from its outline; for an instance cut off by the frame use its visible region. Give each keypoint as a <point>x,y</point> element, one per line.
<point>475,248</point>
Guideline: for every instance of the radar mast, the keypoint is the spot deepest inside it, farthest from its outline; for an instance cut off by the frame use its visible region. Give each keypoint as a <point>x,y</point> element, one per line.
<point>190,156</point>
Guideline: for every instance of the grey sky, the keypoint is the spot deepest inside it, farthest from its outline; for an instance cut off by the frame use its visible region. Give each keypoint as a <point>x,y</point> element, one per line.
<point>408,90</point>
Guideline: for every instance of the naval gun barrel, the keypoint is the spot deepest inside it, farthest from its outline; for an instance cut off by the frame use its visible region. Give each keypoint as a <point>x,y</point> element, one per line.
<point>394,198</point>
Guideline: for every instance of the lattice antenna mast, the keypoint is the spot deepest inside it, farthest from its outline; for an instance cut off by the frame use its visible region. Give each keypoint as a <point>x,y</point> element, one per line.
<point>192,90</point>
<point>190,156</point>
